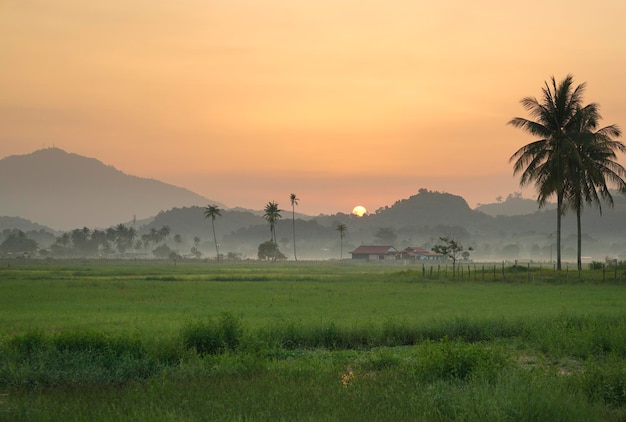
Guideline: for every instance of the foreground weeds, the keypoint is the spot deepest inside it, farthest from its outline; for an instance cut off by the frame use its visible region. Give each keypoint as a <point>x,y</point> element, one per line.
<point>219,369</point>
<point>149,341</point>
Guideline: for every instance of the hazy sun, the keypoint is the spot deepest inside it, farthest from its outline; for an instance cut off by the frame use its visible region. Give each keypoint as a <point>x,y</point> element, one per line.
<point>359,211</point>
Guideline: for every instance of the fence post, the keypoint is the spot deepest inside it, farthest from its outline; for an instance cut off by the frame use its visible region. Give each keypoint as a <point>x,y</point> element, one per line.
<point>528,272</point>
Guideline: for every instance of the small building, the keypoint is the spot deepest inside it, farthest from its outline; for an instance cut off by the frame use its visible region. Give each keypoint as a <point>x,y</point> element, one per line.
<point>375,253</point>
<point>420,254</point>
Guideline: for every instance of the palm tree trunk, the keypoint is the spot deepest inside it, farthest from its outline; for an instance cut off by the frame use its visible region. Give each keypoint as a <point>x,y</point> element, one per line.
<point>293,220</point>
<point>559,213</point>
<point>217,251</point>
<point>579,239</point>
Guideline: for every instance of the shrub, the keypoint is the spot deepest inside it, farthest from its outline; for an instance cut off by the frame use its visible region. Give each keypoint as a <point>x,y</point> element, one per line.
<point>457,360</point>
<point>595,265</point>
<point>606,381</point>
<point>211,337</point>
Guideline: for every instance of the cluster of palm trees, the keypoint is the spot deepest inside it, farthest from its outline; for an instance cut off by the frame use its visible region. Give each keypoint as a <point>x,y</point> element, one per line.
<point>272,215</point>
<point>89,242</point>
<point>571,159</point>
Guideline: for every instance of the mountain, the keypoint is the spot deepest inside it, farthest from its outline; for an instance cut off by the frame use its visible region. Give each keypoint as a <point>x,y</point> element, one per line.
<point>67,191</point>
<point>514,204</point>
<point>64,191</point>
<point>18,223</point>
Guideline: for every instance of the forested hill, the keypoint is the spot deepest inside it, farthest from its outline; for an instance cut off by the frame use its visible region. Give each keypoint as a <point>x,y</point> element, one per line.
<point>514,204</point>
<point>428,208</point>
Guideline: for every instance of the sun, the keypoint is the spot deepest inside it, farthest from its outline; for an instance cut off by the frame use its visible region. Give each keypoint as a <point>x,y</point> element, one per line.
<point>359,211</point>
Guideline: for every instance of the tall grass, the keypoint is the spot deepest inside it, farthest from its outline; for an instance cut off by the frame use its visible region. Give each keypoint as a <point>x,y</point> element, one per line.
<point>305,343</point>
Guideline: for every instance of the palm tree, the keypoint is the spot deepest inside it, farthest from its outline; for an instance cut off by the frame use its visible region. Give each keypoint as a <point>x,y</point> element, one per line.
<point>212,212</point>
<point>164,231</point>
<point>558,116</point>
<point>589,167</point>
<point>294,201</point>
<point>272,215</point>
<point>341,228</point>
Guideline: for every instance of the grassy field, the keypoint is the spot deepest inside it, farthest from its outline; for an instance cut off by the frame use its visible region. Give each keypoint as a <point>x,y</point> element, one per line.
<point>308,341</point>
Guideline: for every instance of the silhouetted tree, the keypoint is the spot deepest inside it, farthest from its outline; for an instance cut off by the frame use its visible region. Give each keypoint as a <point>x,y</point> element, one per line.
<point>451,249</point>
<point>269,250</point>
<point>212,212</point>
<point>18,242</point>
<point>272,215</point>
<point>554,162</point>
<point>164,232</point>
<point>294,201</point>
<point>341,228</point>
<point>589,166</point>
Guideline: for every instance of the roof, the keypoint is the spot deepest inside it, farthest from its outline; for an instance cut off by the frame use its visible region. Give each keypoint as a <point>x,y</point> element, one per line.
<point>416,250</point>
<point>374,249</point>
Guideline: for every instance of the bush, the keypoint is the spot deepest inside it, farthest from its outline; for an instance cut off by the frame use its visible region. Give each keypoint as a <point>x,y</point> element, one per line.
<point>211,337</point>
<point>457,360</point>
<point>595,265</point>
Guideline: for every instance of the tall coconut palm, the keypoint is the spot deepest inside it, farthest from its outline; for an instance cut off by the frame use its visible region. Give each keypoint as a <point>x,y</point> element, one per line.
<point>341,228</point>
<point>589,168</point>
<point>558,116</point>
<point>272,215</point>
<point>212,212</point>
<point>294,201</point>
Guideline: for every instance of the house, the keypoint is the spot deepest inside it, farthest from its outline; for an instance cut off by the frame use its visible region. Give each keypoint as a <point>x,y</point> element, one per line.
<point>375,253</point>
<point>421,254</point>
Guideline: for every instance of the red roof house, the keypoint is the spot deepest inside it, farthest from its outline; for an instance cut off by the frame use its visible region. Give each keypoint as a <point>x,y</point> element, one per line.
<point>375,253</point>
<point>421,254</point>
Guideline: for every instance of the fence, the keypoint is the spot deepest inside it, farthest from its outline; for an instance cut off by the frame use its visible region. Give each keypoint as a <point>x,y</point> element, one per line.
<point>505,271</point>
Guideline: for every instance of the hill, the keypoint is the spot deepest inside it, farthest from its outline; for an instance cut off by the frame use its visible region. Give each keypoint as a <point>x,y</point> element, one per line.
<point>514,204</point>
<point>18,223</point>
<point>64,191</point>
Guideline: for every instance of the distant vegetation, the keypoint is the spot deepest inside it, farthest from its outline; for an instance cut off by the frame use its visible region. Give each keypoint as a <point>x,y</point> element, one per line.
<point>417,221</point>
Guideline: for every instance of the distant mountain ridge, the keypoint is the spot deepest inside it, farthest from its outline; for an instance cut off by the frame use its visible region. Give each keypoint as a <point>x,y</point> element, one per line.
<point>64,190</point>
<point>514,204</point>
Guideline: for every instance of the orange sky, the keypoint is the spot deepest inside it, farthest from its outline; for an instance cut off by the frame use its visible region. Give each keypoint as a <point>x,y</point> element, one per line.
<point>342,102</point>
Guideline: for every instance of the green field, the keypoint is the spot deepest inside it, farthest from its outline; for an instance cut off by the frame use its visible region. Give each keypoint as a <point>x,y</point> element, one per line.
<point>308,341</point>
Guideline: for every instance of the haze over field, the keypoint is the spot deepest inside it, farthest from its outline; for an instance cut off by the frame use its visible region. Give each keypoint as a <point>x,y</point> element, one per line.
<point>344,103</point>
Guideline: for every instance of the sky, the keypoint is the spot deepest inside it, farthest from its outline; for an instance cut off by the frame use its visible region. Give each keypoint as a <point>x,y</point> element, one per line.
<point>341,102</point>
